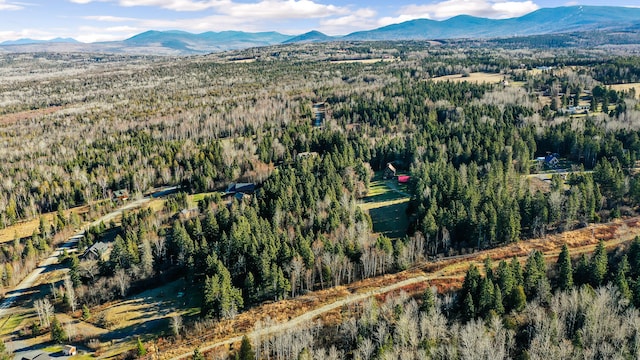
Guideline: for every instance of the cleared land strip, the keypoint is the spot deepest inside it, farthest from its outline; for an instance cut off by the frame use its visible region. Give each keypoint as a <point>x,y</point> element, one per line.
<point>297,321</point>
<point>446,273</point>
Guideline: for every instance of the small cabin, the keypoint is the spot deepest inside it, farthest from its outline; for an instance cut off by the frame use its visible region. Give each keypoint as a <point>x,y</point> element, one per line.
<point>389,171</point>
<point>69,350</point>
<point>121,195</point>
<point>96,251</point>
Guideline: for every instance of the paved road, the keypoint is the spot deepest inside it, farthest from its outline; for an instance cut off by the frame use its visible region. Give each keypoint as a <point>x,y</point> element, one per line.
<point>70,244</point>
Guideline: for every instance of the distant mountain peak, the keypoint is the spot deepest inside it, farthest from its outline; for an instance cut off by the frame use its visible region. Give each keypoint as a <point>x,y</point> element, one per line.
<point>564,19</point>
<point>309,37</point>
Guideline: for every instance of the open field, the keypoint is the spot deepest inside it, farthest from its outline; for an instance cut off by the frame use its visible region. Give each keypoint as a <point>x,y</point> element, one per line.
<point>26,228</point>
<point>387,208</point>
<point>627,87</point>
<point>363,61</point>
<point>476,77</point>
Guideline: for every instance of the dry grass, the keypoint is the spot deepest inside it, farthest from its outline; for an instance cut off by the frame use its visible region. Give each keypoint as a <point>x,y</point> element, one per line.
<point>26,228</point>
<point>627,87</point>
<point>27,115</point>
<point>363,61</point>
<point>476,77</point>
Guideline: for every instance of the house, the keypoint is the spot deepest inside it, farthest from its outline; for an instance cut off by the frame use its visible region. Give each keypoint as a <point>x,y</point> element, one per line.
<point>241,196</point>
<point>122,195</point>
<point>551,160</point>
<point>36,356</point>
<point>306,154</point>
<point>188,213</point>
<point>389,172</point>
<point>95,251</point>
<point>69,350</point>
<point>403,179</point>
<point>245,188</point>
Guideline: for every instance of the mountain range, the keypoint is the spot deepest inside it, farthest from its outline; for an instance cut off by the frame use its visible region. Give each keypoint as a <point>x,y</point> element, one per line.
<point>543,21</point>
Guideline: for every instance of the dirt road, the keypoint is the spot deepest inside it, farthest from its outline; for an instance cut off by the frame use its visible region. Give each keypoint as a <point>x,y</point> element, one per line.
<point>308,316</point>
<point>32,279</point>
<point>442,271</point>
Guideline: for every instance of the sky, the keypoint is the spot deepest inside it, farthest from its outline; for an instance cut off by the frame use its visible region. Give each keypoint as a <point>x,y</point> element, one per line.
<point>109,20</point>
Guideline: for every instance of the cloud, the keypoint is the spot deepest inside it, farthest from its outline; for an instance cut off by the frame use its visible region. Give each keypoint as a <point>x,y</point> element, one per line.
<point>26,34</point>
<point>358,20</point>
<point>107,18</point>
<point>495,9</point>
<point>276,9</point>
<point>263,15</point>
<point>176,5</point>
<point>90,34</point>
<point>10,5</point>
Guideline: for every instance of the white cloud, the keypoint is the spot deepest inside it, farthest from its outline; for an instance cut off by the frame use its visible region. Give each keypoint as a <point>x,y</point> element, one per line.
<point>26,34</point>
<point>4,5</point>
<point>264,15</point>
<point>357,20</point>
<point>107,18</point>
<point>176,5</point>
<point>90,34</point>
<point>276,9</point>
<point>495,9</point>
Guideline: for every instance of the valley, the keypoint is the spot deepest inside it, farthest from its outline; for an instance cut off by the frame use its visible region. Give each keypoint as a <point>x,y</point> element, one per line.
<point>302,200</point>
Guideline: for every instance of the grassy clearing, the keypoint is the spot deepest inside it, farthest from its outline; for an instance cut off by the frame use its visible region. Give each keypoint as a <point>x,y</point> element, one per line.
<point>147,314</point>
<point>387,209</point>
<point>477,77</point>
<point>11,323</point>
<point>153,305</point>
<point>26,228</point>
<point>198,197</point>
<point>363,61</point>
<point>627,87</point>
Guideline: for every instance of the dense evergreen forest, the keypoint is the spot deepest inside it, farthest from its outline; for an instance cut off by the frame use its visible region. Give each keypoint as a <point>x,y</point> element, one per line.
<point>77,132</point>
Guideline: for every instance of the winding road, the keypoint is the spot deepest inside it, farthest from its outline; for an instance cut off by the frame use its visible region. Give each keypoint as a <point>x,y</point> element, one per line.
<point>310,315</point>
<point>32,279</point>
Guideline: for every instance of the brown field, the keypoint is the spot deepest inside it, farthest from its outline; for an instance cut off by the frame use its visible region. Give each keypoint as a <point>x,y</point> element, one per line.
<point>627,87</point>
<point>363,61</point>
<point>26,228</point>
<point>476,77</point>
<point>26,115</point>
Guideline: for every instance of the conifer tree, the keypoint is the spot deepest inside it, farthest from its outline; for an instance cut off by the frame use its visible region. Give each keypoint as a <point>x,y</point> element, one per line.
<point>498,304</point>
<point>245,352</point>
<point>519,300</point>
<point>599,264</point>
<point>565,273</point>
<point>428,301</point>
<point>468,309</point>
<point>622,284</point>
<point>57,331</point>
